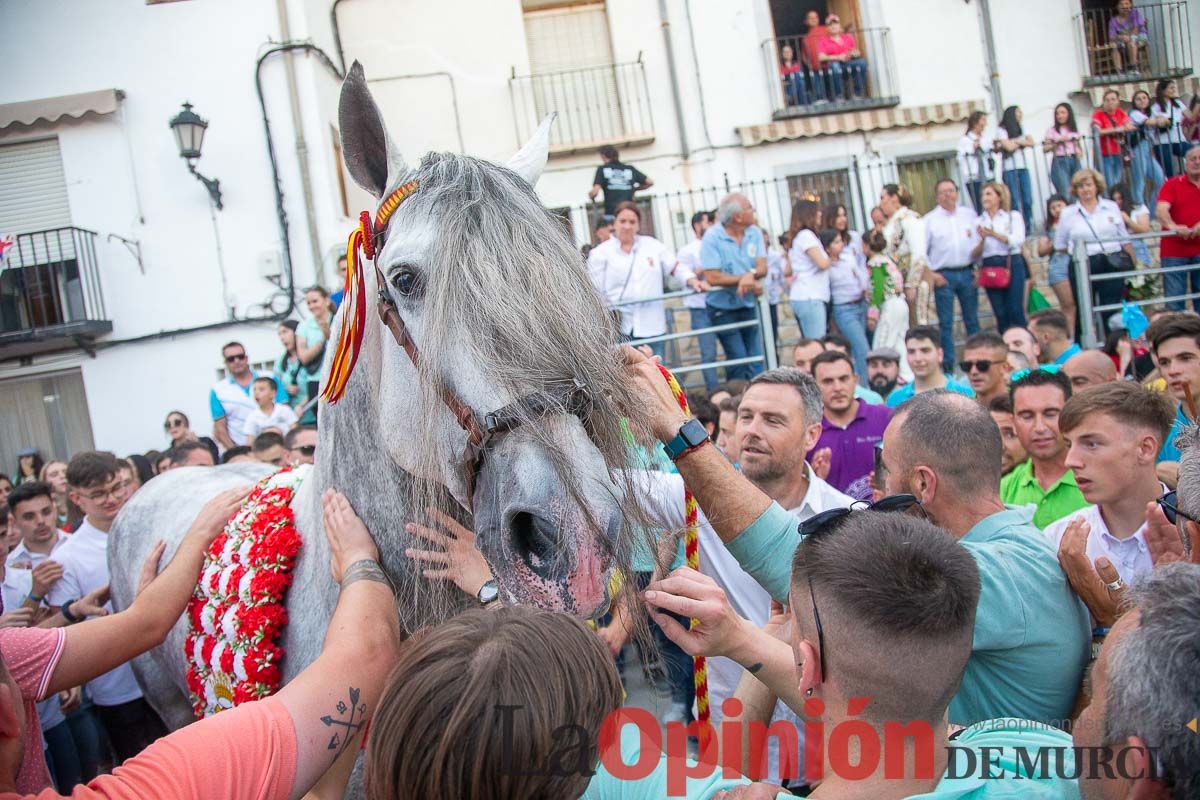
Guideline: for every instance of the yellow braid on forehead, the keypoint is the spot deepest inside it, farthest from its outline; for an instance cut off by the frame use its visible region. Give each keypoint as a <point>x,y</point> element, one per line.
<point>393,201</point>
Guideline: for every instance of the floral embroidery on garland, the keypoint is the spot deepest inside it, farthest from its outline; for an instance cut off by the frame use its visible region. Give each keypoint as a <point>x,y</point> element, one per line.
<point>237,612</point>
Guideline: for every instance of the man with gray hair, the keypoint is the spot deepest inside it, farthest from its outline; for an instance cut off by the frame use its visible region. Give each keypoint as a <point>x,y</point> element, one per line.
<point>734,258</point>
<point>778,421</point>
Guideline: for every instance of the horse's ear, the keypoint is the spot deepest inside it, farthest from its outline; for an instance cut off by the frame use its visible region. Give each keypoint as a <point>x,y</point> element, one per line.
<point>530,160</point>
<point>370,155</point>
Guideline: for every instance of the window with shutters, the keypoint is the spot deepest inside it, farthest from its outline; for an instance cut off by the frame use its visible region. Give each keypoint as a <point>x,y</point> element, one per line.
<point>573,73</point>
<point>33,189</point>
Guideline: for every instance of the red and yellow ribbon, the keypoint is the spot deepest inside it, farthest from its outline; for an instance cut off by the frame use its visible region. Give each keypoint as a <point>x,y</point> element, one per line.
<point>354,318</point>
<point>691,549</point>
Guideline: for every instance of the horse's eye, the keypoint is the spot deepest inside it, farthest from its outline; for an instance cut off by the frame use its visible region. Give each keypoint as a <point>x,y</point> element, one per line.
<point>406,282</point>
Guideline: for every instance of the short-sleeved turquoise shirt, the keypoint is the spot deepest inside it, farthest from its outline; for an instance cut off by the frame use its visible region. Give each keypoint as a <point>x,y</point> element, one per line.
<point>1169,451</point>
<point>1021,488</point>
<point>720,251</point>
<point>1032,634</point>
<point>908,391</point>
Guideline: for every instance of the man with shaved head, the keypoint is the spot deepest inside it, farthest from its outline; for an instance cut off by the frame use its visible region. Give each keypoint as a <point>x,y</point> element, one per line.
<point>733,256</point>
<point>1089,368</point>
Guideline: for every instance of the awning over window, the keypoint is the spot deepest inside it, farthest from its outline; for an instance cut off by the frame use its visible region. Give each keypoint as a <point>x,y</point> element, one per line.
<point>51,109</point>
<point>857,122</point>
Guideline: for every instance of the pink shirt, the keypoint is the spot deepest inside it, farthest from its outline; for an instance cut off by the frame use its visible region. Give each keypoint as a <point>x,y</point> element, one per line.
<point>246,753</point>
<point>31,654</point>
<point>829,47</point>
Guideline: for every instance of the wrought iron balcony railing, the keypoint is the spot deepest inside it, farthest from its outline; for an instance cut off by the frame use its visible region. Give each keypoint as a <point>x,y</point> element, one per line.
<point>814,74</point>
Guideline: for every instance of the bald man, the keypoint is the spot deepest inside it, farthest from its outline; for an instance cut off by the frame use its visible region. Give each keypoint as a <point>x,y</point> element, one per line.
<point>1089,368</point>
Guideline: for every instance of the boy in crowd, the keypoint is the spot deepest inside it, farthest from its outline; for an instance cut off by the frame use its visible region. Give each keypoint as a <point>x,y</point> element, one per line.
<point>1175,340</point>
<point>1114,432</point>
<point>1044,480</point>
<point>1002,414</point>
<point>925,359</point>
<point>269,413</point>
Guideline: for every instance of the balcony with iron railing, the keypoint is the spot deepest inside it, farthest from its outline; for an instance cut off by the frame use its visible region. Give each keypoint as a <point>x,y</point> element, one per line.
<point>596,106</point>
<point>50,295</point>
<point>1153,42</point>
<point>854,73</point>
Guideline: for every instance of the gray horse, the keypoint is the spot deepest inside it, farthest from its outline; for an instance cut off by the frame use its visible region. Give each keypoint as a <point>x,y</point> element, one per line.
<point>496,298</point>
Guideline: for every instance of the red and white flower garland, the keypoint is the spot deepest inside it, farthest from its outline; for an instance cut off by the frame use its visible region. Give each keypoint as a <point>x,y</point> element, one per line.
<point>237,612</point>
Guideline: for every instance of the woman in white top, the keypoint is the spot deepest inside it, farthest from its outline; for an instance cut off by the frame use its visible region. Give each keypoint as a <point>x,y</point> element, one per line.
<point>1167,116</point>
<point>905,235</point>
<point>1094,219</point>
<point>628,266</point>
<point>1012,143</point>
<point>849,285</point>
<point>975,155</point>
<point>808,268</point>
<point>1001,234</point>
<point>1142,161</point>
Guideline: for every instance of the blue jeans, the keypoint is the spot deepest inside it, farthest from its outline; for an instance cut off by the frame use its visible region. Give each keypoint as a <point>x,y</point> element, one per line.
<point>1176,283</point>
<point>1110,167</point>
<point>708,345</point>
<point>1017,181</point>
<point>62,758</point>
<point>1061,170</point>
<point>1009,304</point>
<point>960,283</point>
<point>797,93</point>
<point>973,190</point>
<point>856,68</point>
<point>1171,157</point>
<point>1144,168</point>
<point>740,342</point>
<point>851,319</point>
<point>810,316</point>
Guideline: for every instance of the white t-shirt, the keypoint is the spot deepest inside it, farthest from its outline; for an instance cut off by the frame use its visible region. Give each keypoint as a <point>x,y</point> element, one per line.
<point>847,280</point>
<point>281,417</point>
<point>1130,556</point>
<point>809,282</point>
<point>84,559</point>
<point>640,273</point>
<point>775,278</point>
<point>1006,223</point>
<point>689,256</point>
<point>1013,160</point>
<point>1076,225</point>
<point>1174,112</point>
<point>974,163</point>
<point>664,493</point>
<point>18,582</point>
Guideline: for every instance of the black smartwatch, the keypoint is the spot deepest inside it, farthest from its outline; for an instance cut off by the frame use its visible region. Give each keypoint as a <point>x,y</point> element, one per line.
<point>488,593</point>
<point>691,434</point>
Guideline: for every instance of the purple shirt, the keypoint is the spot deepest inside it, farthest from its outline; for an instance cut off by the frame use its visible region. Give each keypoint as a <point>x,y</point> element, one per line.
<point>852,456</point>
<point>1133,25</point>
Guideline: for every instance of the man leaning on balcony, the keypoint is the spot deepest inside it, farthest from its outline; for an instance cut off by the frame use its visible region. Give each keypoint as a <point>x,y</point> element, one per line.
<point>618,181</point>
<point>734,258</point>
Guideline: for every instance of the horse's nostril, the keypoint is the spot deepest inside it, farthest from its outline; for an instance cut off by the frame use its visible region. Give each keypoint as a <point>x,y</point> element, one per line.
<point>533,539</point>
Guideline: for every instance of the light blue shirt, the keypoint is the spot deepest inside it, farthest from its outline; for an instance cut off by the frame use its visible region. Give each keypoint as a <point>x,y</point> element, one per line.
<point>868,395</point>
<point>1169,451</point>
<point>719,251</point>
<point>908,391</point>
<point>1032,633</point>
<point>1073,350</point>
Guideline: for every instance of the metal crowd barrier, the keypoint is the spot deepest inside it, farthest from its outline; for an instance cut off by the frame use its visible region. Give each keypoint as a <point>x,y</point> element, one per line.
<point>673,361</point>
<point>1091,315</point>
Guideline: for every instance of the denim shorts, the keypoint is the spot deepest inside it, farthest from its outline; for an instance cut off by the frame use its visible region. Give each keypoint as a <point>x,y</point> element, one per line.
<point>1059,269</point>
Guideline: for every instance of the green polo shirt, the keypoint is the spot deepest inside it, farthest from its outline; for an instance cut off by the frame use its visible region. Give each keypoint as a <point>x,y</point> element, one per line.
<point>1021,488</point>
<point>1032,634</point>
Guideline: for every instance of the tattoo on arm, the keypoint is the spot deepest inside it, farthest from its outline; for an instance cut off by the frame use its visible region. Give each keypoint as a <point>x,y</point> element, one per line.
<point>365,569</point>
<point>754,668</point>
<point>350,720</point>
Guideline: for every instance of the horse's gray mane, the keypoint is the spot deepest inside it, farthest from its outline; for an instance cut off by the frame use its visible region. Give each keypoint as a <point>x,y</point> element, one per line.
<point>505,280</point>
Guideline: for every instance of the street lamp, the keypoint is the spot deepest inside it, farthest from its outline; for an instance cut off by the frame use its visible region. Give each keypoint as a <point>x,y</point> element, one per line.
<point>189,130</point>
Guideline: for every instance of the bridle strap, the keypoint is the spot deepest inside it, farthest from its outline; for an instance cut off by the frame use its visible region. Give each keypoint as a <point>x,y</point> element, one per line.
<point>463,413</point>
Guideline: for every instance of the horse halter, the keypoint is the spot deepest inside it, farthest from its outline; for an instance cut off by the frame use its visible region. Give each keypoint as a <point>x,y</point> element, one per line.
<point>482,431</point>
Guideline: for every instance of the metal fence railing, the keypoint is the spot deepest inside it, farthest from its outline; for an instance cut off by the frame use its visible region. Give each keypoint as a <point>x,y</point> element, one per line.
<point>1172,291</point>
<point>1154,41</point>
<point>609,104</point>
<point>50,278</point>
<point>802,81</point>
<point>682,357</point>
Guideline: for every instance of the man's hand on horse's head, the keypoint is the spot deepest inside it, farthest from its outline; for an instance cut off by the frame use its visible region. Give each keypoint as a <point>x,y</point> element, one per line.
<point>653,393</point>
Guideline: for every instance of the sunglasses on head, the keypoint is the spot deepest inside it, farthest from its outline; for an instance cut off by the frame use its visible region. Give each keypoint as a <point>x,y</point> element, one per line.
<point>982,365</point>
<point>827,522</point>
<point>1025,373</point>
<point>235,357</point>
<point>1169,503</point>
